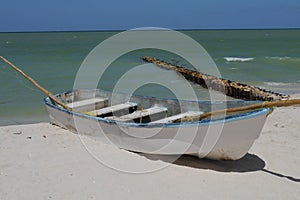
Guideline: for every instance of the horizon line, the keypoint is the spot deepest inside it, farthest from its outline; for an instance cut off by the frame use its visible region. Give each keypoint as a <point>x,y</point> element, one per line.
<point>121,30</point>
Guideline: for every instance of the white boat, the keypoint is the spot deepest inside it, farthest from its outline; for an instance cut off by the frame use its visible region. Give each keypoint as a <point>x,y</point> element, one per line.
<point>145,124</point>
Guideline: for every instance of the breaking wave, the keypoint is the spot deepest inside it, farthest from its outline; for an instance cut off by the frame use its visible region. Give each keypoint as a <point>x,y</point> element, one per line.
<point>285,88</point>
<point>237,59</point>
<point>278,84</point>
<point>278,58</point>
<point>284,58</point>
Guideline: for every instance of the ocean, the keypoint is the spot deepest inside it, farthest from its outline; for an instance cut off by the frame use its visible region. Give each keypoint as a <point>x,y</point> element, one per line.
<point>266,58</point>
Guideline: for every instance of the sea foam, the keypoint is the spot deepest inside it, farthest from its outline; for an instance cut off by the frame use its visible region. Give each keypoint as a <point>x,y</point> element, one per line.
<point>237,59</point>
<point>279,84</point>
<point>279,58</point>
<point>284,58</point>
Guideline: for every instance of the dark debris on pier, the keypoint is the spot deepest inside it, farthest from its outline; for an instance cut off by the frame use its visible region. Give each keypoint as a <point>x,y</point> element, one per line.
<point>227,87</point>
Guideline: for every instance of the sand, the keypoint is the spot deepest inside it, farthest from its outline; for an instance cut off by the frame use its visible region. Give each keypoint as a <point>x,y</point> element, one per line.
<point>42,161</point>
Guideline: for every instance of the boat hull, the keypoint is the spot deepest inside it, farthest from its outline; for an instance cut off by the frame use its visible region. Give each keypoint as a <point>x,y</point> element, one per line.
<point>227,139</point>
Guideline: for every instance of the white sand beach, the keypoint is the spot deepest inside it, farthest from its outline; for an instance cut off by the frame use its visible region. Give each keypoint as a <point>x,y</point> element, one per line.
<point>42,161</point>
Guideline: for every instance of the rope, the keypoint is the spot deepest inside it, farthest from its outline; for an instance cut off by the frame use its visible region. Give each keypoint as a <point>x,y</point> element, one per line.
<point>141,116</point>
<point>24,84</point>
<point>49,94</point>
<point>15,75</point>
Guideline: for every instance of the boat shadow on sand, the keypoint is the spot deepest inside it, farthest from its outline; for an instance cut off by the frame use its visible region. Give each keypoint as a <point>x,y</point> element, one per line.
<point>249,163</point>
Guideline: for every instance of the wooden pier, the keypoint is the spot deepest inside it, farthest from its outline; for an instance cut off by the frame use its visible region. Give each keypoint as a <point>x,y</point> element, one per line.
<point>227,87</point>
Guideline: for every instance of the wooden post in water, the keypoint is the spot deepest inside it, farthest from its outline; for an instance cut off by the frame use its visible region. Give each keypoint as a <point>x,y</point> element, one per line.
<point>229,88</point>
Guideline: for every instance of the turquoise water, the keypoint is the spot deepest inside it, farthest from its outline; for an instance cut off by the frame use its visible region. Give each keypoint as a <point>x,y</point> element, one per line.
<point>266,58</point>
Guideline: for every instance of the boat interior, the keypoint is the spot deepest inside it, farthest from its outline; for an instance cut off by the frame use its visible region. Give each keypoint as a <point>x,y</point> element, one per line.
<point>138,109</point>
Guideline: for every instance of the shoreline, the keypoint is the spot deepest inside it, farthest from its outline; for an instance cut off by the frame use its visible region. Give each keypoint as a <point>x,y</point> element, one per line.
<point>42,161</point>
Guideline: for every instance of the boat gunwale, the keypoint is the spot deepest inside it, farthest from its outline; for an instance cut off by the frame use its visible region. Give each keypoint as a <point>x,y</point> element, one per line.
<point>228,119</point>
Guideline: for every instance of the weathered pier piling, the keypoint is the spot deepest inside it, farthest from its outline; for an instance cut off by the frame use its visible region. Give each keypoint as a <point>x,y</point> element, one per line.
<point>229,88</point>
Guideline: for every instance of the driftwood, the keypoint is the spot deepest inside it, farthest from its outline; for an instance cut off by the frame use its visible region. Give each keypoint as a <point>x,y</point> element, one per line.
<point>229,88</point>
<point>271,104</point>
<point>49,94</point>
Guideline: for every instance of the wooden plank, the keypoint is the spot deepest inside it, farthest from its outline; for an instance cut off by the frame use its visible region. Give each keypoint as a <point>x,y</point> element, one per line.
<point>178,116</point>
<point>115,110</point>
<point>88,104</point>
<point>143,116</point>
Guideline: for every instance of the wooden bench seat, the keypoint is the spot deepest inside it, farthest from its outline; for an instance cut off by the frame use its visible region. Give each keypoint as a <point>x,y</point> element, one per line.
<point>88,104</point>
<point>115,110</point>
<point>178,116</point>
<point>143,116</point>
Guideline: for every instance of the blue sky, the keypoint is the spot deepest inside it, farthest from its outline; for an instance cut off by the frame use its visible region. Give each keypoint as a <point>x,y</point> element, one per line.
<point>63,15</point>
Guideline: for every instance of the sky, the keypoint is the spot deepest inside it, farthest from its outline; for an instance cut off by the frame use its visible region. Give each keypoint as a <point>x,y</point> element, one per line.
<point>67,15</point>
